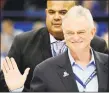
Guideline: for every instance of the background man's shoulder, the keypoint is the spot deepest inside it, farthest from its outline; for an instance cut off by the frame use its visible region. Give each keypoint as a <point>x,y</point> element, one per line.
<point>32,33</point>
<point>99,45</point>
<point>104,58</point>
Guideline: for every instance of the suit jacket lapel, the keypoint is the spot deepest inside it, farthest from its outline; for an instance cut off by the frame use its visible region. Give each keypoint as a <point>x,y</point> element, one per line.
<point>66,74</point>
<point>102,73</point>
<point>43,49</point>
<point>45,45</point>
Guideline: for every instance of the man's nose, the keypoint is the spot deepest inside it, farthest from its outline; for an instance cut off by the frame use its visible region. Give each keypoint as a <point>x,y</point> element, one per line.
<point>57,16</point>
<point>76,37</point>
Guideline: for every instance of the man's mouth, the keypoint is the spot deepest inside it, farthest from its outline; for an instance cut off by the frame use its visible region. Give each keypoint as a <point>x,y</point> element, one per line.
<point>77,42</point>
<point>57,25</point>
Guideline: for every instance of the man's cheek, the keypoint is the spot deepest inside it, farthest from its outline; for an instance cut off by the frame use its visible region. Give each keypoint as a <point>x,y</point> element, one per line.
<point>67,38</point>
<point>68,43</point>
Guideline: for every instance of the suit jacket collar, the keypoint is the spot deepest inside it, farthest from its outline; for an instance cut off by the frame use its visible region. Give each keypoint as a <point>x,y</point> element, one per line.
<point>101,73</point>
<point>41,40</point>
<point>69,82</point>
<point>65,66</point>
<point>45,44</point>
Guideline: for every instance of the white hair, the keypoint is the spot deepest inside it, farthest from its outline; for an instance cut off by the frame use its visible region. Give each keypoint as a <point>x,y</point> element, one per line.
<point>76,12</point>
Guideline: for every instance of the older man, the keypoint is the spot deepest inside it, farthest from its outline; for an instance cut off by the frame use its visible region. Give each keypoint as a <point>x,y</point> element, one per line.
<point>79,69</point>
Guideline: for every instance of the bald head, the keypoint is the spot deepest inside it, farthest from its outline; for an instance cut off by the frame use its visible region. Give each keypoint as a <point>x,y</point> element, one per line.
<point>64,3</point>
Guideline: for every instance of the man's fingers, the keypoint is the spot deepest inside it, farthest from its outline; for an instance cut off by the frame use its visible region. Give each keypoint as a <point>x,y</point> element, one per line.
<point>4,70</point>
<point>2,64</point>
<point>5,65</point>
<point>9,63</point>
<point>26,73</point>
<point>14,63</point>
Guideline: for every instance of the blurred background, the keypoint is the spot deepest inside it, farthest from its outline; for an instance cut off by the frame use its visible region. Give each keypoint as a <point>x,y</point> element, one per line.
<point>19,16</point>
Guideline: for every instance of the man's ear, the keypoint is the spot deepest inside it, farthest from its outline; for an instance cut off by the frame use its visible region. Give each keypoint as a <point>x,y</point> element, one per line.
<point>46,10</point>
<point>93,32</point>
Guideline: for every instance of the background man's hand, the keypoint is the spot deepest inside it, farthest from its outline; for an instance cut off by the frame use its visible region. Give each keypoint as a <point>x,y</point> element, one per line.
<point>14,79</point>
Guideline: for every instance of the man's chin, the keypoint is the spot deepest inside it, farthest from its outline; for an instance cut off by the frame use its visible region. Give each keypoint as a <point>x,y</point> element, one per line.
<point>77,49</point>
<point>57,30</point>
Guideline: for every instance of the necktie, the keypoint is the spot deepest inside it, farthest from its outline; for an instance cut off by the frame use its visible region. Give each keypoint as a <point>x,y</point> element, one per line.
<point>58,48</point>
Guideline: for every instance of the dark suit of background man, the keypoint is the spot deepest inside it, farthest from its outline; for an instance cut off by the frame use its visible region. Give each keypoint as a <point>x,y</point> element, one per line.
<point>31,48</point>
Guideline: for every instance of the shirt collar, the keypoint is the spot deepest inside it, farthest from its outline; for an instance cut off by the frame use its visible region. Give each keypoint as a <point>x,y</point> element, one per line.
<point>53,40</point>
<point>92,61</point>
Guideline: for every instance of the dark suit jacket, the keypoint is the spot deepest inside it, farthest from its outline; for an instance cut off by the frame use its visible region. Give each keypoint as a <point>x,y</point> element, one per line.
<point>33,47</point>
<point>48,75</point>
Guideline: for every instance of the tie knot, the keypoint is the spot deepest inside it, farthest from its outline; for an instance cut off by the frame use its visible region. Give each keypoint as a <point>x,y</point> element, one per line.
<point>60,43</point>
<point>59,47</point>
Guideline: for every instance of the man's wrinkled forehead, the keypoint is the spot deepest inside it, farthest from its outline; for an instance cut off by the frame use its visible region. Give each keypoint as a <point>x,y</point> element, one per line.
<point>60,5</point>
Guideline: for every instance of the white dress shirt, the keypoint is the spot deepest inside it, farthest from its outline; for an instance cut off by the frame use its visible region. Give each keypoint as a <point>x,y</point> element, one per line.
<point>84,73</point>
